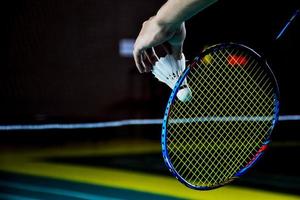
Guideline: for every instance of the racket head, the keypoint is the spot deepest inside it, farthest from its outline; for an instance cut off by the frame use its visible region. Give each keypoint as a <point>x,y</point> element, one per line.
<point>198,165</point>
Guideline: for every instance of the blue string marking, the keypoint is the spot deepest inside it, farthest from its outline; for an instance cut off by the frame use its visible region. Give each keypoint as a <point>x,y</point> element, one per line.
<point>111,124</point>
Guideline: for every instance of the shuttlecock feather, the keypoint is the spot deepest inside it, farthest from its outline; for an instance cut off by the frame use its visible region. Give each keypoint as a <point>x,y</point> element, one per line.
<point>168,70</point>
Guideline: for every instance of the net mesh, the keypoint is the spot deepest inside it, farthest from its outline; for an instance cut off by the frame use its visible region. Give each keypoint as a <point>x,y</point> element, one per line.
<point>217,133</point>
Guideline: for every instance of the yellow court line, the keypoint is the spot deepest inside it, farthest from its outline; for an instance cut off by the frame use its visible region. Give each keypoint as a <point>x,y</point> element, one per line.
<point>28,163</point>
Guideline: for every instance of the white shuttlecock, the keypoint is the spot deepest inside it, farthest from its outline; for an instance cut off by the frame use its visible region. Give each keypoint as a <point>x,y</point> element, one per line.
<point>168,70</point>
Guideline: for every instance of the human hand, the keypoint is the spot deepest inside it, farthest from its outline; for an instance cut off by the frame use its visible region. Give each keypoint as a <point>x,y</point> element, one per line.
<point>153,34</point>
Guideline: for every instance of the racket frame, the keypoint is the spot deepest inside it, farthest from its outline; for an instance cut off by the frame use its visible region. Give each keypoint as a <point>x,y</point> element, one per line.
<point>172,98</point>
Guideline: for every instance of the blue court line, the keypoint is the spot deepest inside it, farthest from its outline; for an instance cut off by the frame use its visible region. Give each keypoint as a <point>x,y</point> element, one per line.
<point>51,190</point>
<point>110,124</point>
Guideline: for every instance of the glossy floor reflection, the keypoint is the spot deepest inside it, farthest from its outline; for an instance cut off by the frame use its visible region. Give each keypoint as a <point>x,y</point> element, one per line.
<point>123,169</point>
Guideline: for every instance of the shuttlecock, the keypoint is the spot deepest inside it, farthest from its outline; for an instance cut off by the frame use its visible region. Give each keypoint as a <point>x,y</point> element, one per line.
<point>168,70</point>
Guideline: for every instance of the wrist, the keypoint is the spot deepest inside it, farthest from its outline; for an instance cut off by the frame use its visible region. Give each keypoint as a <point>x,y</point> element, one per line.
<point>165,23</point>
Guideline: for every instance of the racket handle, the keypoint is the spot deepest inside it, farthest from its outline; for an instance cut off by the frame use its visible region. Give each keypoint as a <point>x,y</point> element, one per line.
<point>282,31</point>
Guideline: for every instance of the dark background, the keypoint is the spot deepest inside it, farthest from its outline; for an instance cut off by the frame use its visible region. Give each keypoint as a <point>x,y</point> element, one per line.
<point>60,63</point>
<point>61,59</point>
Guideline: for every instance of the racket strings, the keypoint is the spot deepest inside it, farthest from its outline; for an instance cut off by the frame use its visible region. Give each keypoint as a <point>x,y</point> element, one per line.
<point>206,156</point>
<point>239,95</point>
<point>195,141</point>
<point>216,95</point>
<point>235,81</point>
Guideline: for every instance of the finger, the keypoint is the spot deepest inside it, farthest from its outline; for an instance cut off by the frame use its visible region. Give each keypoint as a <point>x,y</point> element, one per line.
<point>151,55</point>
<point>146,62</point>
<point>137,54</point>
<point>154,53</point>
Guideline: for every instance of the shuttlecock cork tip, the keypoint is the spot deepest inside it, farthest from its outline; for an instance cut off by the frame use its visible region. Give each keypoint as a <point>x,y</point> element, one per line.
<point>184,94</point>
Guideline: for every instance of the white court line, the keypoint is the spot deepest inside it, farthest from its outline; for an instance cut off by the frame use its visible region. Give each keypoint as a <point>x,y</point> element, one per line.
<point>221,119</point>
<point>110,124</point>
<point>289,118</point>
